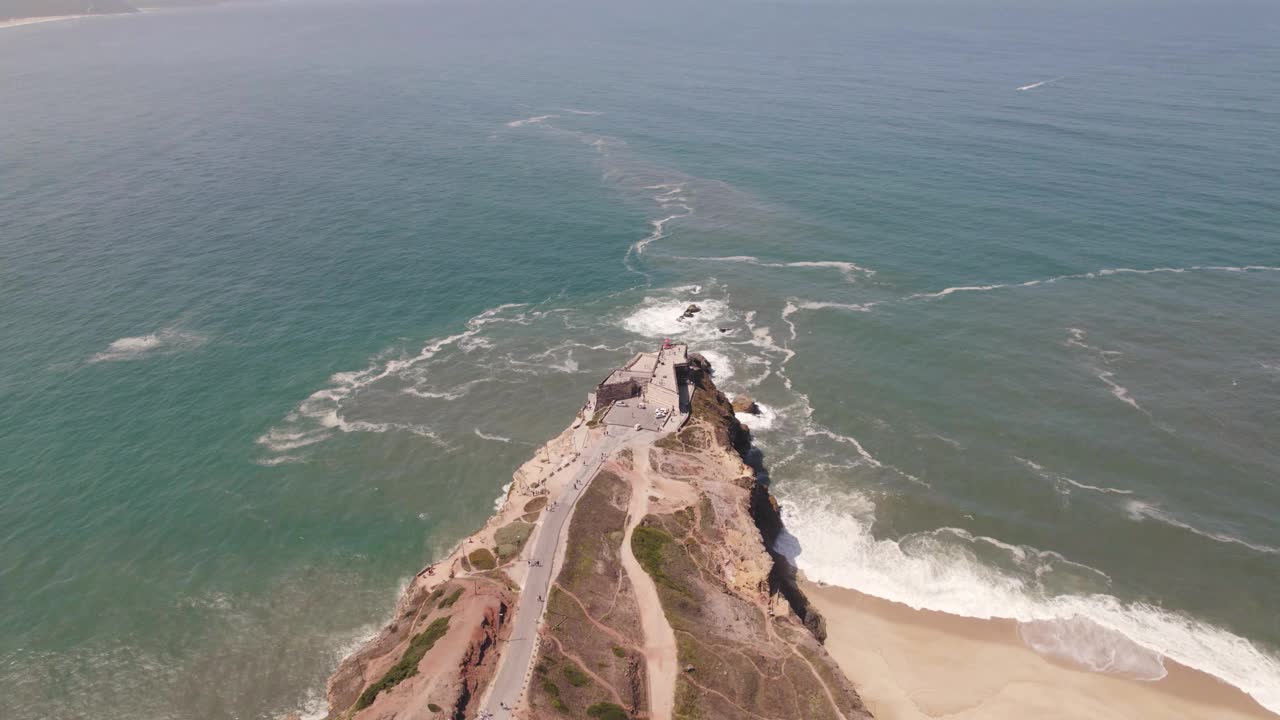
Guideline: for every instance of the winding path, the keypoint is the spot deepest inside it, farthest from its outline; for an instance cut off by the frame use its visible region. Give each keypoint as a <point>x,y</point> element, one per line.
<point>659,640</point>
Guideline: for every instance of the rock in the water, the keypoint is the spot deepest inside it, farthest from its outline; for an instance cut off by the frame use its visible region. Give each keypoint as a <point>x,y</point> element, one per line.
<point>745,404</point>
<point>689,311</point>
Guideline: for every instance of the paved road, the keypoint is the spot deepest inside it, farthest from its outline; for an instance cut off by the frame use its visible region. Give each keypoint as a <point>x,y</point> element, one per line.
<point>506,693</point>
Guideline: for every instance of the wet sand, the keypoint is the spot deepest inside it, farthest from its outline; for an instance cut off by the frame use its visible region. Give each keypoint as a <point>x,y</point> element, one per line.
<point>910,664</point>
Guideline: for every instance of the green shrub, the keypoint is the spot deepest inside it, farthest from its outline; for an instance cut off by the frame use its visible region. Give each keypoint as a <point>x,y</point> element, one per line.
<point>482,559</point>
<point>648,545</point>
<point>553,691</point>
<point>510,538</point>
<point>576,677</point>
<point>433,707</point>
<point>448,602</point>
<point>619,651</point>
<point>607,711</point>
<point>407,667</point>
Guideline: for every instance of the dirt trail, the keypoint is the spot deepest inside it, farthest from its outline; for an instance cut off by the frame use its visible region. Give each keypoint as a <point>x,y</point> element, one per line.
<point>659,640</point>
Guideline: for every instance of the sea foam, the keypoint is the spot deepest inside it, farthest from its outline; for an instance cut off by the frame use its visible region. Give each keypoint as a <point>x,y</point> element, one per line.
<point>133,348</point>
<point>1105,272</point>
<point>830,538</point>
<point>849,270</point>
<point>758,423</point>
<point>319,416</point>
<point>661,317</point>
<point>531,120</point>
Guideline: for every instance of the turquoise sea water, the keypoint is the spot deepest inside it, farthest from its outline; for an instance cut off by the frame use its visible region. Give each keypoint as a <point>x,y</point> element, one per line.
<point>287,290</point>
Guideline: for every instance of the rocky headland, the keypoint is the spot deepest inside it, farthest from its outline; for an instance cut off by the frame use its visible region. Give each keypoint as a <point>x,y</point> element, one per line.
<point>666,601</point>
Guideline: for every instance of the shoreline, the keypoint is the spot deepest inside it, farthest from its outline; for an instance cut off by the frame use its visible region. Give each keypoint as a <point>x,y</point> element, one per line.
<point>18,22</point>
<point>915,664</point>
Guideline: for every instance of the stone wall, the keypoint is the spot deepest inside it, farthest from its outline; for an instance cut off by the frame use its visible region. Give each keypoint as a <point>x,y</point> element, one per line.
<point>606,394</point>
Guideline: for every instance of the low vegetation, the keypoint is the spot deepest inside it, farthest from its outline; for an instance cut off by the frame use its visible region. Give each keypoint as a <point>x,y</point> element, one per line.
<point>648,544</point>
<point>448,602</point>
<point>576,677</point>
<point>606,711</point>
<point>511,538</point>
<point>482,559</point>
<point>553,691</point>
<point>407,667</point>
<point>595,419</point>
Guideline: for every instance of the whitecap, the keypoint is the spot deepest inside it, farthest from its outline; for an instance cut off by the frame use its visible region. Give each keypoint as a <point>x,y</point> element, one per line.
<point>496,438</point>
<point>280,460</point>
<point>132,348</point>
<point>1035,85</point>
<point>536,119</point>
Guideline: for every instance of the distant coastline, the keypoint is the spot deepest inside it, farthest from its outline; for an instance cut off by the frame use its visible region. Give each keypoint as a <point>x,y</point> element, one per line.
<point>15,22</point>
<point>15,13</point>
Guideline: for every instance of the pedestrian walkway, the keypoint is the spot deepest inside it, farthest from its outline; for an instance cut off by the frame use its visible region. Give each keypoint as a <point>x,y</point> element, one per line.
<point>515,665</point>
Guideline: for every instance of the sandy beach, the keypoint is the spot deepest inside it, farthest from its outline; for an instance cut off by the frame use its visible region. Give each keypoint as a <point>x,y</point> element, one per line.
<point>910,665</point>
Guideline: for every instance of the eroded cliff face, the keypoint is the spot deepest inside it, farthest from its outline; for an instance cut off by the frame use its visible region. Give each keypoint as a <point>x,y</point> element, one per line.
<point>749,643</point>
<point>674,532</point>
<point>431,660</point>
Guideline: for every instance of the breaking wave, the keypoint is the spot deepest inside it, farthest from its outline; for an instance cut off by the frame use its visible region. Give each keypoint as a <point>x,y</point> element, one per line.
<point>1062,481</point>
<point>1140,511</point>
<point>721,368</point>
<point>761,422</point>
<point>830,538</point>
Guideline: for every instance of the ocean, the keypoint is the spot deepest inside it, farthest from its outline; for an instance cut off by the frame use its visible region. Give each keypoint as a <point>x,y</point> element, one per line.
<point>289,289</point>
